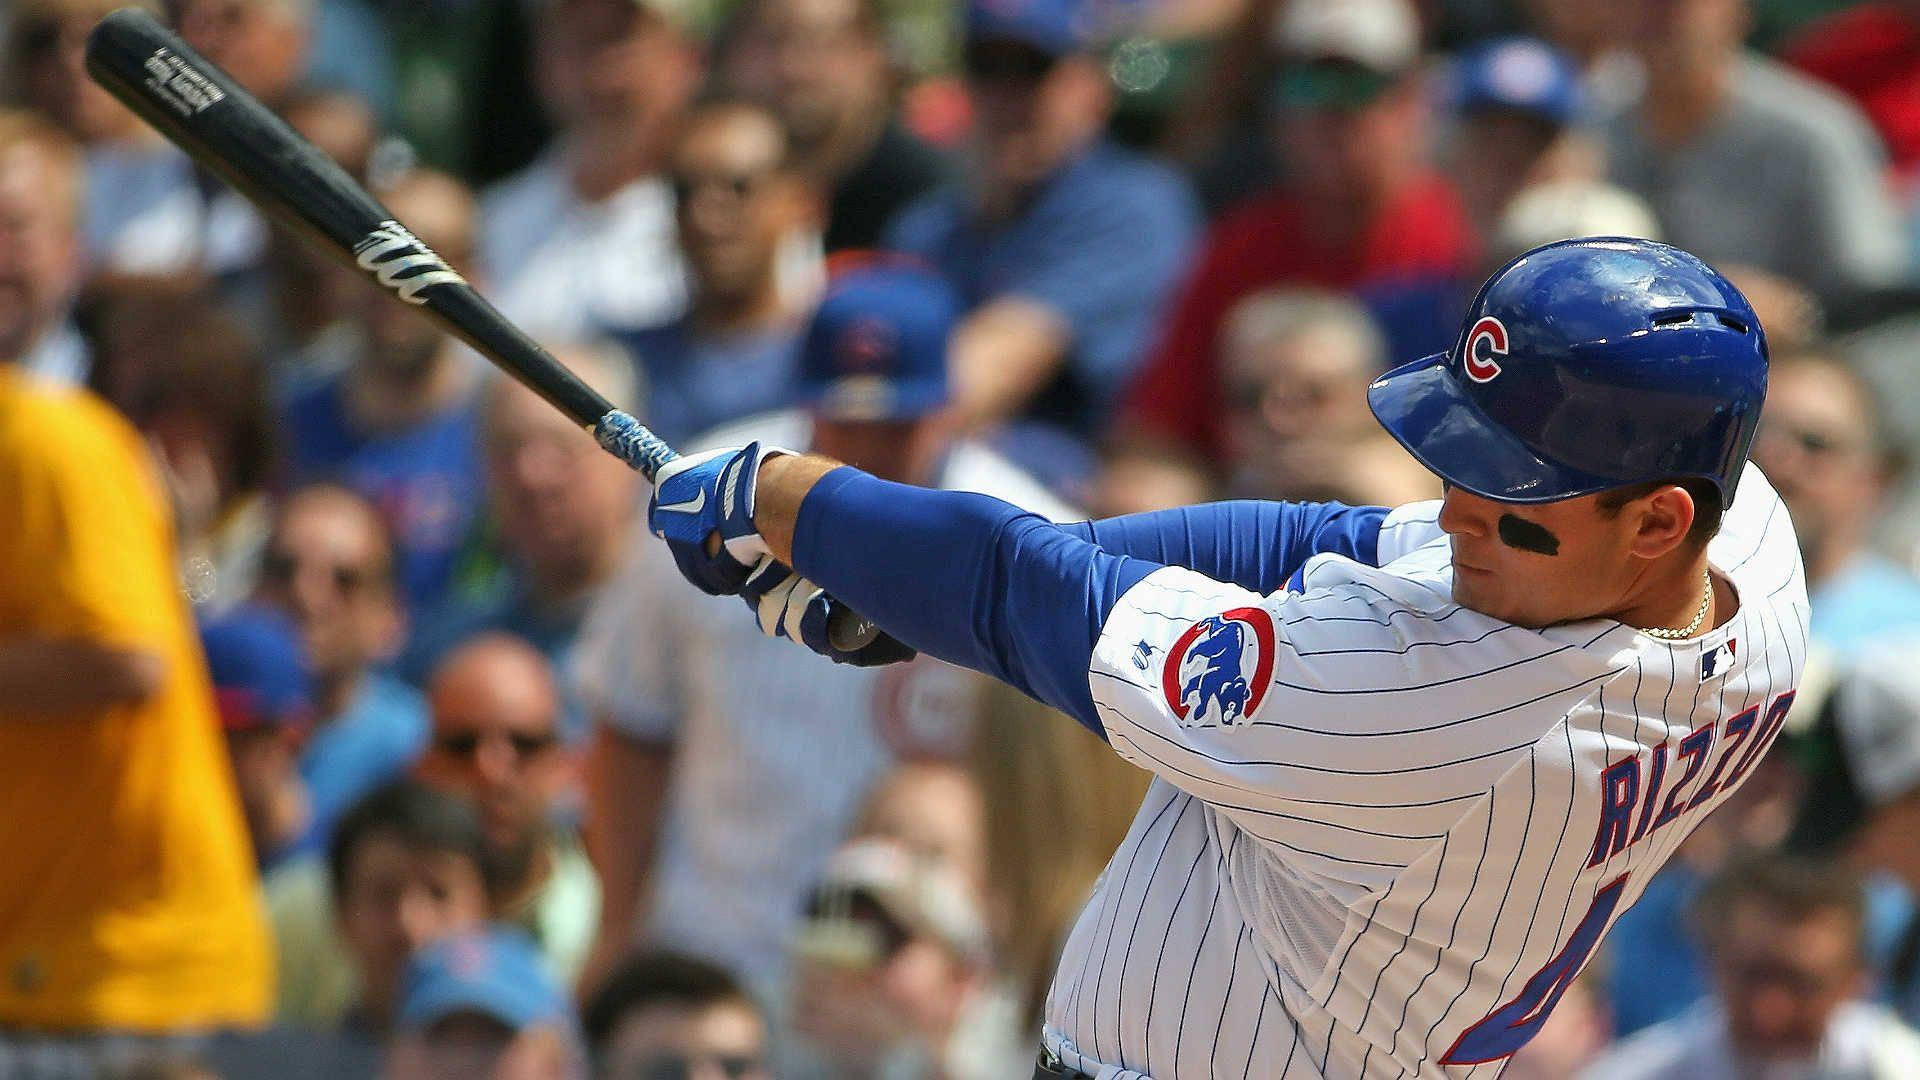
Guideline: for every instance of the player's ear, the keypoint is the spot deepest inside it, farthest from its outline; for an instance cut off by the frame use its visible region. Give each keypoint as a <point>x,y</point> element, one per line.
<point>1661,520</point>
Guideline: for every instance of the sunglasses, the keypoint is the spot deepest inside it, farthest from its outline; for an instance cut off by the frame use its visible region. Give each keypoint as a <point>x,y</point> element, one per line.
<point>280,568</point>
<point>853,916</point>
<point>680,1067</point>
<point>738,186</point>
<point>466,744</point>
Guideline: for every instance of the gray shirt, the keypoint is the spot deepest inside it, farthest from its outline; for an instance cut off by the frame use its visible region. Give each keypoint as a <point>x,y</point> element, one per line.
<point>1787,178</point>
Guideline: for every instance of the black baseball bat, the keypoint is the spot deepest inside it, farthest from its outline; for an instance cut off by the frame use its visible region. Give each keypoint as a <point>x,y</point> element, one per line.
<point>219,124</point>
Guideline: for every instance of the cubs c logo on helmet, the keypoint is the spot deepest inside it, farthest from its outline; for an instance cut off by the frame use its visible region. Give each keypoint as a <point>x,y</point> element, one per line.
<point>1217,673</point>
<point>1486,340</point>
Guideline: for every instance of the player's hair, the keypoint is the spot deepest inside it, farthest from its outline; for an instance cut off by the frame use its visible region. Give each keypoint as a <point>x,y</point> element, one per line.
<point>1793,887</point>
<point>647,979</point>
<point>25,128</point>
<point>1707,510</point>
<point>422,820</point>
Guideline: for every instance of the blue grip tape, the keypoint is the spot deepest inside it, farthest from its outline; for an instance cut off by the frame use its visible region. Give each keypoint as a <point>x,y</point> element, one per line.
<point>630,441</point>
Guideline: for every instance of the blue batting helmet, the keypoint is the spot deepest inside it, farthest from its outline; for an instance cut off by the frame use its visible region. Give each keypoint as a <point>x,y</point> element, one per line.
<point>1585,365</point>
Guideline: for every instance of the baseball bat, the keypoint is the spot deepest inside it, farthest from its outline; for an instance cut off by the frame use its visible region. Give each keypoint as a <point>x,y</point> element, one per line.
<point>200,109</point>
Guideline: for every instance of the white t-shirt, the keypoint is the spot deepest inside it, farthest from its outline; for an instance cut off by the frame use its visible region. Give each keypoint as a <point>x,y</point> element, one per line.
<point>566,270</point>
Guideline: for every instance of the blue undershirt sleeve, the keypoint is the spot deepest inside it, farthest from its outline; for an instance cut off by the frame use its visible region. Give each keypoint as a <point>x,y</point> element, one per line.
<point>967,578</point>
<point>1256,545</point>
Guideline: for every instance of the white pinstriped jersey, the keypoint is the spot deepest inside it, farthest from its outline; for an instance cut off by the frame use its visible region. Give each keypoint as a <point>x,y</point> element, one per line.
<point>1387,830</point>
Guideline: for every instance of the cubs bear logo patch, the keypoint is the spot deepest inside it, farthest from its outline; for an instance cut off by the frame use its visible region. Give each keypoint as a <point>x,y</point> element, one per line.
<point>1218,671</point>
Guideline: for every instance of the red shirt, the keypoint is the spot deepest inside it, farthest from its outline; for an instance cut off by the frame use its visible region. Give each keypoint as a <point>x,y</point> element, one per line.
<point>1263,243</point>
<point>1871,53</point>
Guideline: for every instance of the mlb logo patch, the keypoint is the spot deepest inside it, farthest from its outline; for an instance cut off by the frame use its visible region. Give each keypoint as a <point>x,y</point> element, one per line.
<point>1718,660</point>
<point>1218,671</point>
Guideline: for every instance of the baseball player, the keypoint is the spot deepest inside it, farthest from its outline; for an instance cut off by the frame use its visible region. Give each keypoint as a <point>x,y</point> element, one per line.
<point>1411,763</point>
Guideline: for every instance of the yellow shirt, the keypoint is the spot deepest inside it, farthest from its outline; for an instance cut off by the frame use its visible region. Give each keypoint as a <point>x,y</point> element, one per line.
<point>128,895</point>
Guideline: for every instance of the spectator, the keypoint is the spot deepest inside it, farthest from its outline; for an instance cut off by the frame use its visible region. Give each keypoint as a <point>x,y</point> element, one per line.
<point>1295,367</point>
<point>478,1004</point>
<point>710,811</point>
<point>1577,1032</point>
<point>1360,210</point>
<point>892,977</point>
<point>1061,243</point>
<point>264,45</point>
<point>496,743</point>
<point>1864,797</point>
<point>1595,37</point>
<point>1056,810</point>
<point>1564,209</point>
<point>41,181</point>
<point>193,383</point>
<point>740,207</point>
<point>583,238</point>
<point>1137,478</point>
<point>1746,162</point>
<point>562,508</point>
<point>328,565</point>
<point>308,299</point>
<point>824,65</point>
<point>662,1014</point>
<point>1517,123</point>
<point>407,866</point>
<point>1871,53</point>
<point>1825,446</point>
<point>141,209</point>
<point>133,919</point>
<point>261,687</point>
<point>1785,943</point>
<point>399,424</point>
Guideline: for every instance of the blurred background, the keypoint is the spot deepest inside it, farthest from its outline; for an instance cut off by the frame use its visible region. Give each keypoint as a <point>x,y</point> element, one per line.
<point>353,727</point>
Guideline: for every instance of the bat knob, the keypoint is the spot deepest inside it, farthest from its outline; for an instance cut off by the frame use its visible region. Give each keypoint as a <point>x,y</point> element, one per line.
<point>849,631</point>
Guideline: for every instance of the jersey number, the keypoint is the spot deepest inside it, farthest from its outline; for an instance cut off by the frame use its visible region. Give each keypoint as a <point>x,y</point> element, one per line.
<point>1509,1027</point>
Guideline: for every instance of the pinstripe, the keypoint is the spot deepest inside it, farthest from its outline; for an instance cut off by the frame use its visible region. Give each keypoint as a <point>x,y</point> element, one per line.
<point>1491,726</point>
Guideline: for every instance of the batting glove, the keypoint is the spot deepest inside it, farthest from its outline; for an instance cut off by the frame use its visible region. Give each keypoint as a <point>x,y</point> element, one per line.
<point>701,495</point>
<point>789,606</point>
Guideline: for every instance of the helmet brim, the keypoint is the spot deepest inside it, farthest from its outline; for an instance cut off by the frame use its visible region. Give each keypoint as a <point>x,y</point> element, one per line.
<point>1423,406</point>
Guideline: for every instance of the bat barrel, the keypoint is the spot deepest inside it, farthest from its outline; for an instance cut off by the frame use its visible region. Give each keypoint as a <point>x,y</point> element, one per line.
<point>204,112</point>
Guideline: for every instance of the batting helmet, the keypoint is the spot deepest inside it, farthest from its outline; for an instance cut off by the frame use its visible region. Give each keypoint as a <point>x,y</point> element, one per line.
<point>1585,365</point>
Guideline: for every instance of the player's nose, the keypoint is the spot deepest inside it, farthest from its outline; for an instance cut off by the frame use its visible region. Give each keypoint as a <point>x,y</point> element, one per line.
<point>1465,514</point>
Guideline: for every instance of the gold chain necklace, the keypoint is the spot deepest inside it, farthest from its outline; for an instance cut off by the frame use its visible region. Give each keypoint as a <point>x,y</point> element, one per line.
<point>1687,631</point>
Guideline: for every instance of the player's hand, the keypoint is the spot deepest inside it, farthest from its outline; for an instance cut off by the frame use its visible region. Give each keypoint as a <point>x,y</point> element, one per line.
<point>789,606</point>
<point>703,508</point>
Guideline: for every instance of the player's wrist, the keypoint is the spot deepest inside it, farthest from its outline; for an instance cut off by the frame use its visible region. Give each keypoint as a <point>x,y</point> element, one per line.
<point>783,483</point>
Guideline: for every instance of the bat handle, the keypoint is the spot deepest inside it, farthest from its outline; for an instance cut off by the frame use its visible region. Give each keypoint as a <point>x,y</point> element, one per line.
<point>630,441</point>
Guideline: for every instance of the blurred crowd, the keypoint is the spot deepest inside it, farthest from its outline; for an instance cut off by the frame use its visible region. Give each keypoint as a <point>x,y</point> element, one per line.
<point>353,725</point>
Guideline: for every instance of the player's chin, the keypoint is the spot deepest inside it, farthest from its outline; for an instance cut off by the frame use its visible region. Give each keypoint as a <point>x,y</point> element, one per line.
<point>1479,590</point>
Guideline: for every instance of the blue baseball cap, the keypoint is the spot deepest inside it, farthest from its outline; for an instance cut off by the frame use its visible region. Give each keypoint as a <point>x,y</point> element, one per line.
<point>1055,27</point>
<point>495,972</point>
<point>259,670</point>
<point>1521,74</point>
<point>876,348</point>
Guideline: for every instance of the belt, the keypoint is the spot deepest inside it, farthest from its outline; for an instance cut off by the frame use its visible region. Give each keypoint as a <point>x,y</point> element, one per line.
<point>1050,1068</point>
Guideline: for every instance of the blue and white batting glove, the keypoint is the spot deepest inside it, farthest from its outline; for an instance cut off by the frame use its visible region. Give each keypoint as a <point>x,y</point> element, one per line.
<point>789,606</point>
<point>697,496</point>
